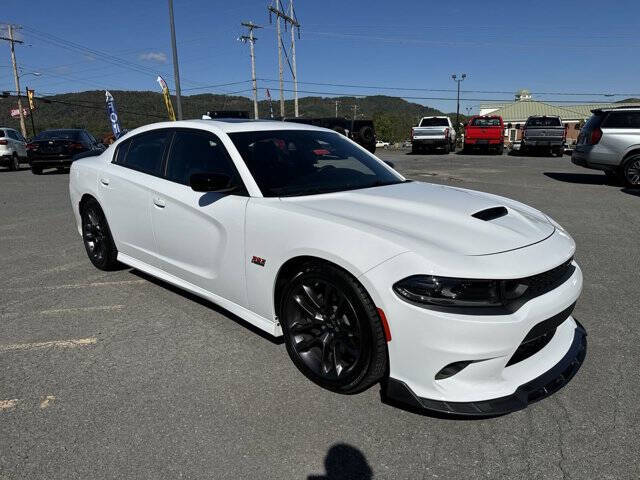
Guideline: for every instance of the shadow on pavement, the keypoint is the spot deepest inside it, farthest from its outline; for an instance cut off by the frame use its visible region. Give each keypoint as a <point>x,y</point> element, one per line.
<point>207,304</point>
<point>583,178</point>
<point>631,191</point>
<point>344,462</point>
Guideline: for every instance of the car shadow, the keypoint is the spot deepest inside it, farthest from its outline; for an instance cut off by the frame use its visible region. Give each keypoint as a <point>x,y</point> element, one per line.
<point>582,178</point>
<point>631,191</point>
<point>206,303</point>
<point>344,462</point>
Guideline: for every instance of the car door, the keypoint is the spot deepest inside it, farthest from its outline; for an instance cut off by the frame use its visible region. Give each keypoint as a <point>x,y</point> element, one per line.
<point>200,236</point>
<point>125,192</point>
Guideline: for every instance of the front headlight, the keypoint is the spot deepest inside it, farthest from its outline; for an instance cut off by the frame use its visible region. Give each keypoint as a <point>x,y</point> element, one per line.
<point>458,292</point>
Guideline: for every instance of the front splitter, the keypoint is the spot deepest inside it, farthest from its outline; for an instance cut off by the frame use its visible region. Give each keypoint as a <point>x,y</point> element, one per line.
<point>534,390</point>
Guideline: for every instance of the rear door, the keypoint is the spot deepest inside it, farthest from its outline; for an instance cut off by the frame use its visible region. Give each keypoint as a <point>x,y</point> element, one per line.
<point>125,192</point>
<point>200,236</point>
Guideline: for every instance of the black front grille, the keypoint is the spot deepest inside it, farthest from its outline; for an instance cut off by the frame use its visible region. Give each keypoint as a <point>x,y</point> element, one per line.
<point>547,281</point>
<point>539,336</point>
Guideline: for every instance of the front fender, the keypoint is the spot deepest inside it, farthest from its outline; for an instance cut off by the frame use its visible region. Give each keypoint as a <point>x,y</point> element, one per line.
<point>276,233</point>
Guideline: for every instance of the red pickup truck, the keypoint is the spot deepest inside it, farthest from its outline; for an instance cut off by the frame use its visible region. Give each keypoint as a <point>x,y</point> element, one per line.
<point>484,132</point>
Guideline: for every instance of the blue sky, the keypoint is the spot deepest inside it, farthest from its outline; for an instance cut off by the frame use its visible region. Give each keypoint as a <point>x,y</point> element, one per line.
<point>546,46</point>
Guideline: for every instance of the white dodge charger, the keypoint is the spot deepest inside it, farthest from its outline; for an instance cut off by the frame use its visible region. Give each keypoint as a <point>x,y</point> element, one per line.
<point>454,300</point>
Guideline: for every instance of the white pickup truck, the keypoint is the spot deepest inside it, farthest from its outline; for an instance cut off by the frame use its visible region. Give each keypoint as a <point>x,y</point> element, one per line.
<point>433,132</point>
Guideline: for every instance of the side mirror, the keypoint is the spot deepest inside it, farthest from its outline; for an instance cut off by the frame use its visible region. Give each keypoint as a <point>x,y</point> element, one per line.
<point>211,182</point>
<point>390,163</point>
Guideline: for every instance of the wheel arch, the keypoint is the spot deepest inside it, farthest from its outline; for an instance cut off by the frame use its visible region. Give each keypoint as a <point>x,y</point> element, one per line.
<point>634,150</point>
<point>287,269</point>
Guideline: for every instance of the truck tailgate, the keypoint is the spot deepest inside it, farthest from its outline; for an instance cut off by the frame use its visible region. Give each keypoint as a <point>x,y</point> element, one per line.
<point>428,132</point>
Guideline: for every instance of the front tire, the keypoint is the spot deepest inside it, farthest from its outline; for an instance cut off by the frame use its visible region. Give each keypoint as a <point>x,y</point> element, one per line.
<point>332,330</point>
<point>97,238</point>
<point>36,170</point>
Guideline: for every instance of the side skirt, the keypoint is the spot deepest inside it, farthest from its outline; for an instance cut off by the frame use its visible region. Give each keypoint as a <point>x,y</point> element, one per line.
<point>272,328</point>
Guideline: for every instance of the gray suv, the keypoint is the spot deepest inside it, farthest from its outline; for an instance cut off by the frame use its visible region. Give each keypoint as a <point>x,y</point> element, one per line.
<point>610,141</point>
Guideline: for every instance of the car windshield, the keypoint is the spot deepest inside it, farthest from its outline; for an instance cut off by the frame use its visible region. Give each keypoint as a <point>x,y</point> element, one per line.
<point>434,122</point>
<point>305,162</point>
<point>58,135</point>
<point>544,122</point>
<point>485,122</point>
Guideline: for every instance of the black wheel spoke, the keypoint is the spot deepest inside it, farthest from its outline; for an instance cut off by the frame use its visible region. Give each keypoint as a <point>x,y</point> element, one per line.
<point>302,327</point>
<point>308,303</point>
<point>307,344</point>
<point>327,361</point>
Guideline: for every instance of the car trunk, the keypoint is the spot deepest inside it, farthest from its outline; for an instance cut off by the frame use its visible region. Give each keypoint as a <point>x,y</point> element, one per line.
<point>55,148</point>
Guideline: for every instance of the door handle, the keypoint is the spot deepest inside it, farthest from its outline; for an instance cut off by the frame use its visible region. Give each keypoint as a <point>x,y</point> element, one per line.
<point>104,181</point>
<point>158,202</point>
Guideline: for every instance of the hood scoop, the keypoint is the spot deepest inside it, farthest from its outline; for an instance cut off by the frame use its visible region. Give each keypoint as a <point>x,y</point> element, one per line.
<point>491,213</point>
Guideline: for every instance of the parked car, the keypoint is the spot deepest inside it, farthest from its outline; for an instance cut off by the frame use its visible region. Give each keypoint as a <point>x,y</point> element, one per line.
<point>13,148</point>
<point>457,301</point>
<point>360,131</point>
<point>433,132</point>
<point>381,144</point>
<point>544,134</point>
<point>56,148</point>
<point>484,132</point>
<point>610,141</point>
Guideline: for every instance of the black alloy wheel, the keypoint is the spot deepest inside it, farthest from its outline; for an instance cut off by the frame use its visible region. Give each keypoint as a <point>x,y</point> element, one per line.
<point>332,330</point>
<point>631,171</point>
<point>97,238</point>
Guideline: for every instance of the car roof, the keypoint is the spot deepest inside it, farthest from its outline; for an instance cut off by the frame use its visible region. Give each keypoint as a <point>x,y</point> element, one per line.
<point>228,125</point>
<point>616,109</point>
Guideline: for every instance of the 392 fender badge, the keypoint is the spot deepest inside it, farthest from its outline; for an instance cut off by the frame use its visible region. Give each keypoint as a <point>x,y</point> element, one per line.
<point>258,261</point>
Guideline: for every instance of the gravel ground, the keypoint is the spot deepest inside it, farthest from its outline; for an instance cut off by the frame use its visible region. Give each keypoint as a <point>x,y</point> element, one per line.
<point>145,381</point>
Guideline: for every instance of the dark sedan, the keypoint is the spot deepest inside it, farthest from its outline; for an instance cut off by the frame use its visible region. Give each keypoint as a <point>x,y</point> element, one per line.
<point>56,148</point>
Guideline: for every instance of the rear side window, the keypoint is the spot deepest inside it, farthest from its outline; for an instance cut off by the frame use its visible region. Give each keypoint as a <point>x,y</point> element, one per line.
<point>485,122</point>
<point>145,152</point>
<point>434,122</point>
<point>622,120</point>
<point>12,134</point>
<point>197,152</point>
<point>544,122</point>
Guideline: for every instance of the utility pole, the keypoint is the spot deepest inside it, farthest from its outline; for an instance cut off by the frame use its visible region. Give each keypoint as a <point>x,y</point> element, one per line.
<point>458,81</point>
<point>176,70</point>
<point>337,108</point>
<point>292,15</point>
<point>278,13</point>
<point>251,39</point>
<point>289,18</point>
<point>12,41</point>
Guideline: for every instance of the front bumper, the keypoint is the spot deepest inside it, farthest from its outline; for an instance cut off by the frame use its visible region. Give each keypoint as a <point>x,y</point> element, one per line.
<point>532,391</point>
<point>424,341</point>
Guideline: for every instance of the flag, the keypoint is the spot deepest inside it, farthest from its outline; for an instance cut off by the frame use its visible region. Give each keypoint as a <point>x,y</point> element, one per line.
<point>270,104</point>
<point>31,97</point>
<point>167,98</point>
<point>112,114</point>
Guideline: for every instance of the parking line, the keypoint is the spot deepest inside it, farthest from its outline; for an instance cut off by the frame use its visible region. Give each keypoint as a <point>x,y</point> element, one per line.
<point>101,308</point>
<point>8,404</point>
<point>79,342</point>
<point>46,401</point>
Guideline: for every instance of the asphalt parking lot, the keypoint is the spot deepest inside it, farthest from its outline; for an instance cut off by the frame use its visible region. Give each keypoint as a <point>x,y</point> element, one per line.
<point>116,375</point>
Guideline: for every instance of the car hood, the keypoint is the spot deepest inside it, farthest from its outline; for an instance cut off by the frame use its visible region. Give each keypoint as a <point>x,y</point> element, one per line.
<point>416,215</point>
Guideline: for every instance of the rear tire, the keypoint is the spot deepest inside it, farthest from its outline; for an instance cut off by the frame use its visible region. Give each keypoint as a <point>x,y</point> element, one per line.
<point>332,330</point>
<point>631,172</point>
<point>500,149</point>
<point>14,163</point>
<point>36,170</point>
<point>447,148</point>
<point>97,238</point>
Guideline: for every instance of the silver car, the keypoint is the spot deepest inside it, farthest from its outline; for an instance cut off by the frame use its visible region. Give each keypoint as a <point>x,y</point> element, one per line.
<point>610,141</point>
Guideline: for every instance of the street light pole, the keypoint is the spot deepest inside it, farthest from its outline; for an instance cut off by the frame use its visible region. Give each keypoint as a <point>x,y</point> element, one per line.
<point>458,81</point>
